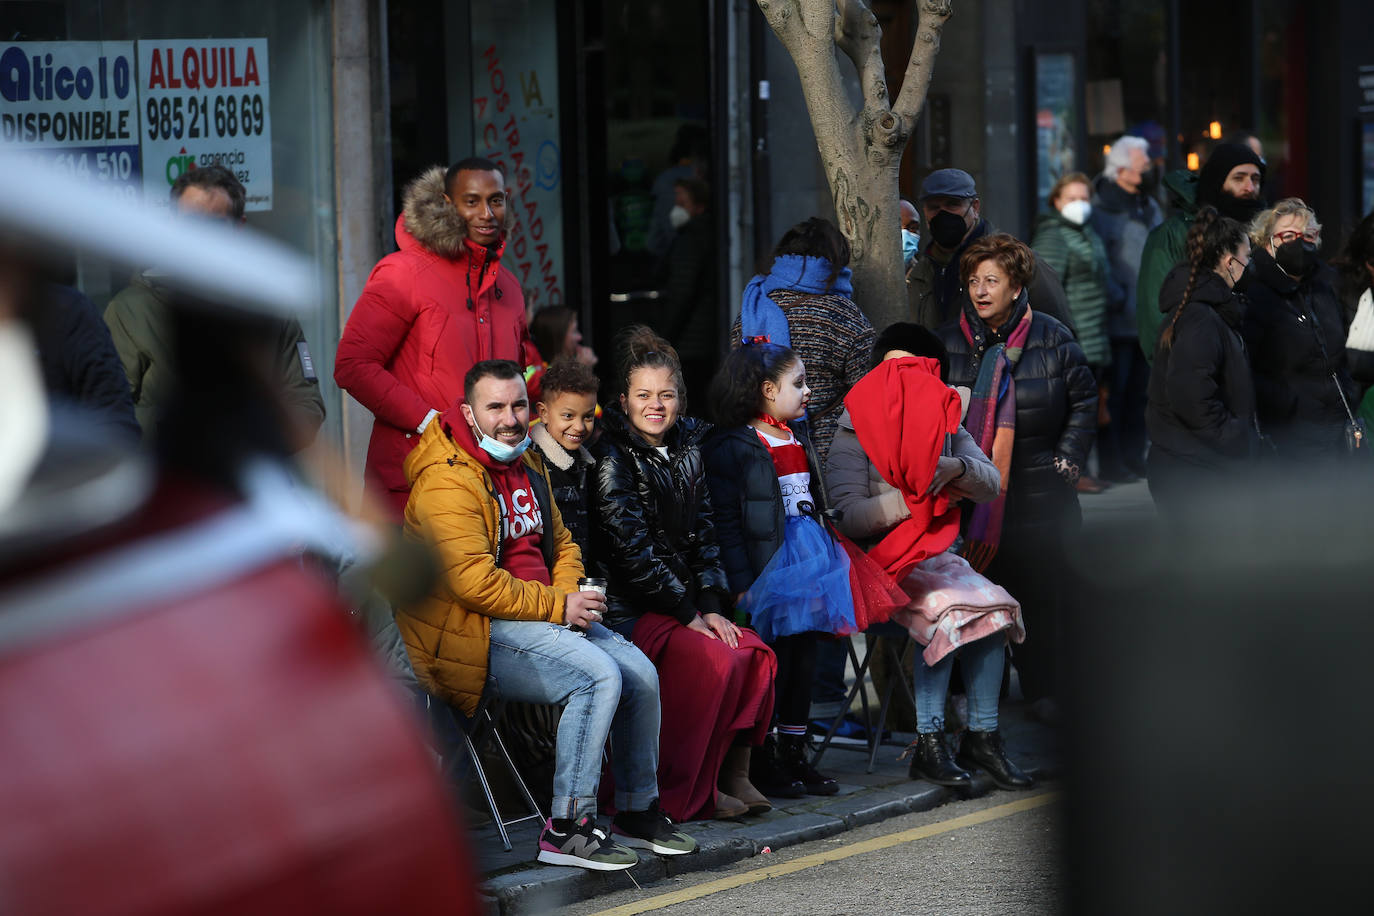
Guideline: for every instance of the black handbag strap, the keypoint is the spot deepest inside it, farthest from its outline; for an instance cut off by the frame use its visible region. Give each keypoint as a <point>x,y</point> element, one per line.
<point>1311,314</point>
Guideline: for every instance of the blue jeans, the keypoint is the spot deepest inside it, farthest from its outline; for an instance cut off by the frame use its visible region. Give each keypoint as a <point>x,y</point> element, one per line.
<point>607,687</point>
<point>982,662</point>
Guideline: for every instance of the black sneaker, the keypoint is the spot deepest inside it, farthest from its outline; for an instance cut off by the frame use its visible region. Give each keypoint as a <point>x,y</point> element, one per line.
<point>584,846</point>
<point>653,830</point>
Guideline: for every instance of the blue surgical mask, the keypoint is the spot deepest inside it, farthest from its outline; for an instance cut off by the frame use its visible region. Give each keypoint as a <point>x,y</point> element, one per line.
<point>500,451</point>
<point>911,243</point>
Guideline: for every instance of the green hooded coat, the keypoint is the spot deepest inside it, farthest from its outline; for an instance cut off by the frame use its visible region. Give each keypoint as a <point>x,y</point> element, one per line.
<point>1165,248</point>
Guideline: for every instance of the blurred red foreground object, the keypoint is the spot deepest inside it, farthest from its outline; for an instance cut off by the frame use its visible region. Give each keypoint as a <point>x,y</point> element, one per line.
<point>230,750</point>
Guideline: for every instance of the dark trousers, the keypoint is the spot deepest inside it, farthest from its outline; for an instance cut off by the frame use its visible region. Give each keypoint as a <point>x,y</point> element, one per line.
<point>1031,564</point>
<point>792,688</point>
<point>1121,443</point>
<point>828,690</point>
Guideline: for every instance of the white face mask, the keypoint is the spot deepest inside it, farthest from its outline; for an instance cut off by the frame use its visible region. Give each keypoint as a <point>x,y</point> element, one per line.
<point>1077,211</point>
<point>678,216</point>
<point>23,410</point>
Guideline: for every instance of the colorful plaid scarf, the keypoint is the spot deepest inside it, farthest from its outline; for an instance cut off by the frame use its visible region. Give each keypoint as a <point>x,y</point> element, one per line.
<point>991,421</point>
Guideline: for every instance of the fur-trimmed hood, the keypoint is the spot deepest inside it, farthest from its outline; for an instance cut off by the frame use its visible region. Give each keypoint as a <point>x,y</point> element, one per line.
<point>429,218</point>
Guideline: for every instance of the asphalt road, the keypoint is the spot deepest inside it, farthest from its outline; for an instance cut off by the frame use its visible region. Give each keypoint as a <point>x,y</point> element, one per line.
<point>993,855</point>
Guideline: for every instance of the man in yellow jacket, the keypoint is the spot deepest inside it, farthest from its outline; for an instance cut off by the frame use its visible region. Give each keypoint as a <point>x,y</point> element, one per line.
<point>507,615</point>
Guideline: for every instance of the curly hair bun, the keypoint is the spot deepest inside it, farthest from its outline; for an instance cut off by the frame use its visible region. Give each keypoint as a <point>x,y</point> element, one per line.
<point>638,347</point>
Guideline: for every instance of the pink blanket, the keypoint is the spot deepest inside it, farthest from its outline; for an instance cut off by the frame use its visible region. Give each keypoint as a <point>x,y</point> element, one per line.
<point>952,604</point>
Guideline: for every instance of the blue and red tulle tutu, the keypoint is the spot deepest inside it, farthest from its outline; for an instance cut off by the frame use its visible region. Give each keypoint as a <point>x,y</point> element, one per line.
<point>805,587</point>
<point>819,581</point>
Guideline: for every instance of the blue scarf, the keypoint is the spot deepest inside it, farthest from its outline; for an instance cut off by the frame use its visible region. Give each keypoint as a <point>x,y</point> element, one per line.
<point>762,317</point>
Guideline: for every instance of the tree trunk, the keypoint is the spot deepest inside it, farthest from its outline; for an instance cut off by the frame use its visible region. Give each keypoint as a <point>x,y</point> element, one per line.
<point>861,150</point>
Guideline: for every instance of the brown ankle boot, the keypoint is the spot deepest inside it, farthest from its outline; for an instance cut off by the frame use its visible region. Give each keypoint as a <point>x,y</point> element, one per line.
<point>727,806</point>
<point>734,780</point>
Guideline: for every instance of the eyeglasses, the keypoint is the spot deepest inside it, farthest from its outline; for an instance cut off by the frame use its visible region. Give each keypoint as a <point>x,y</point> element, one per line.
<point>1311,234</point>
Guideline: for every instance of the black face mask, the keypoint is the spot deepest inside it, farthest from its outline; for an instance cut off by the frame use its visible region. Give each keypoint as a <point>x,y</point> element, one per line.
<point>1243,281</point>
<point>1149,183</point>
<point>1298,258</point>
<point>948,229</point>
<point>1240,209</point>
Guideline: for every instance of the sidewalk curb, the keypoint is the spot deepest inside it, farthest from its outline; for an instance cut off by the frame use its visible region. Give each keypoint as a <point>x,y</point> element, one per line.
<point>543,887</point>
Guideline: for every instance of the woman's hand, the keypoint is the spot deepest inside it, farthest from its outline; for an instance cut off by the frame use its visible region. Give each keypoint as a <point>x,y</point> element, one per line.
<point>1067,470</point>
<point>948,469</point>
<point>717,627</point>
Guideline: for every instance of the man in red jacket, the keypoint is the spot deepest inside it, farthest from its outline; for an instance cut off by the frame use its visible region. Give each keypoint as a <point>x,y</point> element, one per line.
<point>429,313</point>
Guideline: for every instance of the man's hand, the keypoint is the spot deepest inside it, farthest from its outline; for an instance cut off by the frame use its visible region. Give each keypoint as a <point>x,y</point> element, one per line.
<point>582,609</point>
<point>946,470</point>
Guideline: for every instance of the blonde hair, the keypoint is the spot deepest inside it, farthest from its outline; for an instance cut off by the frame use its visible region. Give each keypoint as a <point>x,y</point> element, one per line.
<point>1262,226</point>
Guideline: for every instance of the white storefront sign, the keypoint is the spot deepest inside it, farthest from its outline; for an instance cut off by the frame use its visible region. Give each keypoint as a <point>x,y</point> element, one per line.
<point>206,102</point>
<point>75,104</point>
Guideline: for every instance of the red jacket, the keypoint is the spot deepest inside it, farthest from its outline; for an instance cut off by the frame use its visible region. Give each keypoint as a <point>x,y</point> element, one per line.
<point>428,313</point>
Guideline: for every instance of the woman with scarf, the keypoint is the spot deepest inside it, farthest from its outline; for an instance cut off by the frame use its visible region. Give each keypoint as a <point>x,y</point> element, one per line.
<point>899,467</point>
<point>803,302</point>
<point>1034,412</point>
<point>1295,334</point>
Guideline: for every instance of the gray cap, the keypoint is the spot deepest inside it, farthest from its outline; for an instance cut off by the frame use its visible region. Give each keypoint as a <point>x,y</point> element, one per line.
<point>948,183</point>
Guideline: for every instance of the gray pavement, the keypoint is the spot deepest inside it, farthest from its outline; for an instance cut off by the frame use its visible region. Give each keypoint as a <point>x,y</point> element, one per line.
<point>514,883</point>
<point>1006,865</point>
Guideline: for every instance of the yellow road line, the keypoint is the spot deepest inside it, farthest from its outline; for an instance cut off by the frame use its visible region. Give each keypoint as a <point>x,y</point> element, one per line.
<point>834,855</point>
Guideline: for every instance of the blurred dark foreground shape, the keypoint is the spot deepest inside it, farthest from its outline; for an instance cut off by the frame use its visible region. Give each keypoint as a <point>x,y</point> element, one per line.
<point>1220,748</point>
<point>189,721</point>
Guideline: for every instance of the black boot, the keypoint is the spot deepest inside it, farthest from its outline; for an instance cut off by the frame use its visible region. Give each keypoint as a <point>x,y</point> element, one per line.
<point>931,761</point>
<point>985,751</point>
<point>793,749</point>
<point>770,775</point>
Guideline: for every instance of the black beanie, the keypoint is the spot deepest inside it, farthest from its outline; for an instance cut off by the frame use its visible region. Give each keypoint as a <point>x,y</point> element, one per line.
<point>1224,158</point>
<point>914,339</point>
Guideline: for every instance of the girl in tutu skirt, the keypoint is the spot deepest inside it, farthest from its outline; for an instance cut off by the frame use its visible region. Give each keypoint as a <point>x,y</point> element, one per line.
<point>788,570</point>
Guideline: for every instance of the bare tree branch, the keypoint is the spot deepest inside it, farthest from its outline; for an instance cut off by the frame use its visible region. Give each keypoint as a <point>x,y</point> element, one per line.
<point>932,18</point>
<point>858,35</point>
<point>806,29</point>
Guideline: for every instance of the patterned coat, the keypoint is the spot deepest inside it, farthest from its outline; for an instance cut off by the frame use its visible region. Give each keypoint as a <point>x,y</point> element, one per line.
<point>835,342</point>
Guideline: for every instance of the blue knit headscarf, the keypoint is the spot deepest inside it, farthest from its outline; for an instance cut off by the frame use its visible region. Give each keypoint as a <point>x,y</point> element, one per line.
<point>760,316</point>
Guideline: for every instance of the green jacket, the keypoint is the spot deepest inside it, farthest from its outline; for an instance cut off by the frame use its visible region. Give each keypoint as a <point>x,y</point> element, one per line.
<point>1077,254</point>
<point>137,317</point>
<point>1165,248</point>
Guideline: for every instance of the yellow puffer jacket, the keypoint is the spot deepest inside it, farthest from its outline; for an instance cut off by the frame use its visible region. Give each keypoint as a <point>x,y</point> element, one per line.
<point>452,506</point>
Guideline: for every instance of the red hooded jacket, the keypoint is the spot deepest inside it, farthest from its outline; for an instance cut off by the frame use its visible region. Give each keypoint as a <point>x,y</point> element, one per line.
<point>428,313</point>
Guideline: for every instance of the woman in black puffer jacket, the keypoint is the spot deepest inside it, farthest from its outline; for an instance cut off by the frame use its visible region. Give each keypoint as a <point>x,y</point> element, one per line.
<point>1201,409</point>
<point>1295,333</point>
<point>654,542</point>
<point>1055,422</point>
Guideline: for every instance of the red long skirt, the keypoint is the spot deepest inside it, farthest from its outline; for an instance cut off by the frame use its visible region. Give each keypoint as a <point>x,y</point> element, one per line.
<point>710,695</point>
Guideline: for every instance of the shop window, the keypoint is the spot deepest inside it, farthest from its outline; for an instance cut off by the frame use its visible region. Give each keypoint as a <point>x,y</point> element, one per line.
<point>192,103</point>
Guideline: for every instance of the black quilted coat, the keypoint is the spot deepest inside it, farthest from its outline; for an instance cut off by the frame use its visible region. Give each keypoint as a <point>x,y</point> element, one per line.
<point>652,534</point>
<point>1295,334</point>
<point>1056,410</point>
